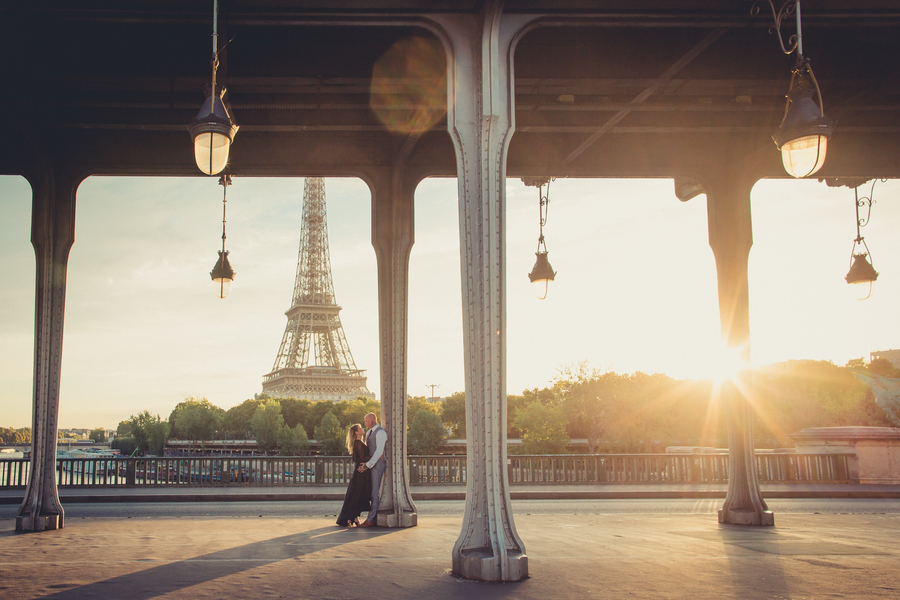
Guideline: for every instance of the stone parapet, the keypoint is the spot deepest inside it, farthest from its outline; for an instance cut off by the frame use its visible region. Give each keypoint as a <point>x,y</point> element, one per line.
<point>875,451</point>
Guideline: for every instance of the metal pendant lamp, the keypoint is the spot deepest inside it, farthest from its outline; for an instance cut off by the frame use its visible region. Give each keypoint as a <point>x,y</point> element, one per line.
<point>213,129</point>
<point>222,274</point>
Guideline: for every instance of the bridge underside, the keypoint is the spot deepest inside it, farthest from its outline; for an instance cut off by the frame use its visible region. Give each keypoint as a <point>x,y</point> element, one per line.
<point>405,90</point>
<point>599,92</point>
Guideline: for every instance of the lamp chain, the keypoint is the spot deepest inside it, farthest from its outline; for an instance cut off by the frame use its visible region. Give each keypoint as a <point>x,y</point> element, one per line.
<point>215,34</point>
<point>543,206</point>
<point>224,181</point>
<point>215,65</point>
<point>215,51</point>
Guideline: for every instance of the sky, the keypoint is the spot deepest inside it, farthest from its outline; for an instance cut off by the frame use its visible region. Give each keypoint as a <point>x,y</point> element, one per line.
<point>635,288</point>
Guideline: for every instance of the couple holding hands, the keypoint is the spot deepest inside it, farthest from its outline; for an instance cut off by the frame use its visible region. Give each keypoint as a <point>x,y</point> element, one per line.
<point>367,450</point>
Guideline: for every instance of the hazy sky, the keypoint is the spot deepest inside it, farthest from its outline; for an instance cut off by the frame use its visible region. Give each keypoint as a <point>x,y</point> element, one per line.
<point>635,289</point>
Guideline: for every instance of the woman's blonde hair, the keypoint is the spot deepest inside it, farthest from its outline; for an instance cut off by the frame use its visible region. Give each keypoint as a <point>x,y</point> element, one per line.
<point>351,436</point>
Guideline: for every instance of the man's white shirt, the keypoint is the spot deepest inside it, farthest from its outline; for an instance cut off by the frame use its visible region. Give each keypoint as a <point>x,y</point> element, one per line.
<point>380,441</point>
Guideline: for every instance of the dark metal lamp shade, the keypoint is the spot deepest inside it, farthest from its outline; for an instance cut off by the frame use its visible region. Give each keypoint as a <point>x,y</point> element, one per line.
<point>541,275</point>
<point>803,135</point>
<point>213,130</point>
<point>222,275</point>
<point>861,271</point>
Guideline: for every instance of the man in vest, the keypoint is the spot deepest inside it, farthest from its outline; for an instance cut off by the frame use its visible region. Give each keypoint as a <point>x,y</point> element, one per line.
<point>376,440</point>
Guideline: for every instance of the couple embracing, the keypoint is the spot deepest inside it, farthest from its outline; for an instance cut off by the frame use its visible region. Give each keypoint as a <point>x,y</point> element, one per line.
<point>367,450</point>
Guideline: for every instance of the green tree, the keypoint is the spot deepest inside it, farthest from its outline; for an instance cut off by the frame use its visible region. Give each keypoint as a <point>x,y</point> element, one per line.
<point>513,404</point>
<point>236,420</point>
<point>98,435</point>
<point>416,403</point>
<point>125,444</point>
<point>857,363</point>
<point>317,412</point>
<point>149,433</point>
<point>543,429</point>
<point>293,441</point>
<point>349,412</point>
<point>807,393</point>
<point>159,433</point>
<point>577,391</point>
<point>331,436</point>
<point>295,411</point>
<point>426,432</point>
<point>453,414</point>
<point>196,419</point>
<point>123,429</point>
<point>266,424</point>
<point>884,367</point>
<point>10,435</point>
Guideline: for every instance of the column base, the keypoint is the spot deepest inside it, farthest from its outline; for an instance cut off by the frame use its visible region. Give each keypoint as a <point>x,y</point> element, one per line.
<point>38,523</point>
<point>746,516</point>
<point>480,564</point>
<point>395,521</point>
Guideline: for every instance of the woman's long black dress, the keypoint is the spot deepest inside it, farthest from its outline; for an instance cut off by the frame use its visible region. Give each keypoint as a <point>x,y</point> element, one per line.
<point>358,498</point>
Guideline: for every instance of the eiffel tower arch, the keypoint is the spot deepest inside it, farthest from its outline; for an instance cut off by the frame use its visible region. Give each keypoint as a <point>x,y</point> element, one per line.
<point>314,359</point>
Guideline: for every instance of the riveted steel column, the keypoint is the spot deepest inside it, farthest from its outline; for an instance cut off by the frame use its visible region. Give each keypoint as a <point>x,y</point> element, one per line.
<point>392,237</point>
<point>52,235</point>
<point>730,236</point>
<point>480,120</point>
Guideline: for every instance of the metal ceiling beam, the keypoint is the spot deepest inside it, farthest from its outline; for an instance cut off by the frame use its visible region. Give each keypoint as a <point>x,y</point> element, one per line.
<point>685,60</point>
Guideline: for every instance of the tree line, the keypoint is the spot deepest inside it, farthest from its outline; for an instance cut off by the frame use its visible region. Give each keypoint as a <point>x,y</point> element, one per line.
<point>279,425</point>
<point>646,413</point>
<point>615,413</point>
<point>10,435</point>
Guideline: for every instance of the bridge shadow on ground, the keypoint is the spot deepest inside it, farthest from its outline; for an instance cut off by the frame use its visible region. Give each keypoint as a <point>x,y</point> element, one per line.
<point>323,562</point>
<point>232,564</point>
<point>748,582</point>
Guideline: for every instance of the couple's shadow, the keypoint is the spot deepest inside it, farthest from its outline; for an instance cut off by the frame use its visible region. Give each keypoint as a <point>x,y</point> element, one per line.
<point>200,570</point>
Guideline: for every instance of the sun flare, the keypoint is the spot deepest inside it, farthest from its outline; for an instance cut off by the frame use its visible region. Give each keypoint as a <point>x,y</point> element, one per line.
<point>726,364</point>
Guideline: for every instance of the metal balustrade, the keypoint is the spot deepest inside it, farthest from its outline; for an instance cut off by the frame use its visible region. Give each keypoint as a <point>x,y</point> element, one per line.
<point>265,471</point>
<point>14,473</point>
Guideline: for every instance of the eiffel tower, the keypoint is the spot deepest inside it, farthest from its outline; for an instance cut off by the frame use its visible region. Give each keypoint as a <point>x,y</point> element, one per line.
<point>314,359</point>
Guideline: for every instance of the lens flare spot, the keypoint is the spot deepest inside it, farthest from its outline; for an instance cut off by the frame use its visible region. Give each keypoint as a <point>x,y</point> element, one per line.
<point>408,92</point>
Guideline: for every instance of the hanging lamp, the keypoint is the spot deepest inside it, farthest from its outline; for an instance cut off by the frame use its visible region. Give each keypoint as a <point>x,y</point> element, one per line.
<point>542,273</point>
<point>213,129</point>
<point>222,274</point>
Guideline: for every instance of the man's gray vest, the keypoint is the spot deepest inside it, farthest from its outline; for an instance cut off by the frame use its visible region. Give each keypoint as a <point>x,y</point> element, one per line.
<point>372,444</point>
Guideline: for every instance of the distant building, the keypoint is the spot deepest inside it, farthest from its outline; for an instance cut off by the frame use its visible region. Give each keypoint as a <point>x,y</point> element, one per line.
<point>77,433</point>
<point>893,356</point>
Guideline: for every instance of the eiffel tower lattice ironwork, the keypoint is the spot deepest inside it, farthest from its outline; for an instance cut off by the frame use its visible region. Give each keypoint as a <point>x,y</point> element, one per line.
<point>314,359</point>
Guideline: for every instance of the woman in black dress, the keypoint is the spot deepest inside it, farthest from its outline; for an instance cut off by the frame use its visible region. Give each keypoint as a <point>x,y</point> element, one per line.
<point>358,498</point>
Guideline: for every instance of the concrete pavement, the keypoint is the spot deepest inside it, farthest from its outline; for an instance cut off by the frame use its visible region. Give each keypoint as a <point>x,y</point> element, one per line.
<point>685,556</point>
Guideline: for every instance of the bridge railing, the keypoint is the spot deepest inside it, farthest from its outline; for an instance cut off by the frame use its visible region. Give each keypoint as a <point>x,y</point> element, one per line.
<point>265,471</point>
<point>674,468</point>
